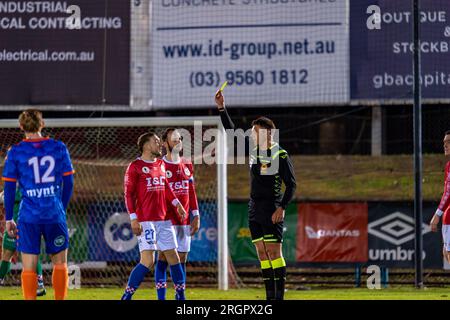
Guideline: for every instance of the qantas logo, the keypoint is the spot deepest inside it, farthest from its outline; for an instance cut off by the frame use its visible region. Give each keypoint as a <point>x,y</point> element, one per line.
<point>322,233</point>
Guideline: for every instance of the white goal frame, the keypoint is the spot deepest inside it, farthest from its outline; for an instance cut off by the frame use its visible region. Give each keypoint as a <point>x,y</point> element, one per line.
<point>222,214</point>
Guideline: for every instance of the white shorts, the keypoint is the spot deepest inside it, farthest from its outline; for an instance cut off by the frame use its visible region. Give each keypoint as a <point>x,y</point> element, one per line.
<point>183,238</point>
<point>157,235</point>
<point>446,236</point>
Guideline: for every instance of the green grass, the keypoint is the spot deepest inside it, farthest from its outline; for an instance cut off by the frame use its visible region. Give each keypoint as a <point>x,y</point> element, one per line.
<point>352,178</point>
<point>394,293</point>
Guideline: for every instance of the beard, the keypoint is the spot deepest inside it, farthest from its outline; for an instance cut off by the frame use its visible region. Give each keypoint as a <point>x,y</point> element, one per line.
<point>156,154</point>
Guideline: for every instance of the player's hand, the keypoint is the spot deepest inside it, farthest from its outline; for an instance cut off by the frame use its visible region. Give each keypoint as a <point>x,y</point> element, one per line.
<point>220,101</point>
<point>278,215</point>
<point>136,227</point>
<point>11,228</point>
<point>195,225</point>
<point>181,211</point>
<point>434,223</point>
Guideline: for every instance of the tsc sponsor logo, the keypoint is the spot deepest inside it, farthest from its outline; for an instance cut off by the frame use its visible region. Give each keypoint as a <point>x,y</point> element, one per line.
<point>179,185</point>
<point>323,233</point>
<point>155,181</point>
<point>396,228</point>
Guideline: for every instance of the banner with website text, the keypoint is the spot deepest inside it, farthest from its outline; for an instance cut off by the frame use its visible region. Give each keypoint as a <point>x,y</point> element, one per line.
<point>64,53</point>
<point>270,52</point>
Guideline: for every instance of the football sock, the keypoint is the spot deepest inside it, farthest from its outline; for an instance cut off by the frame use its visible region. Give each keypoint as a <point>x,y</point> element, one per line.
<point>29,284</point>
<point>161,279</point>
<point>40,278</point>
<point>176,271</point>
<point>136,277</point>
<point>183,266</point>
<point>60,281</point>
<point>268,278</point>
<point>279,270</point>
<point>5,267</point>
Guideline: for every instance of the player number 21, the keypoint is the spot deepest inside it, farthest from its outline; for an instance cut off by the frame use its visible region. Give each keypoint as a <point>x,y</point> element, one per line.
<point>47,175</point>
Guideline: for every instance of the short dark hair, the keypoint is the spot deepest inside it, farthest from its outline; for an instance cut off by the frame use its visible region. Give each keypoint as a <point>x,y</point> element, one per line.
<point>31,120</point>
<point>264,122</point>
<point>144,138</point>
<point>447,132</point>
<point>166,133</point>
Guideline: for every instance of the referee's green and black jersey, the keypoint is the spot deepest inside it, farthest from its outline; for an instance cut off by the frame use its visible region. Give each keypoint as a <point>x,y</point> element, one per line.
<point>268,169</point>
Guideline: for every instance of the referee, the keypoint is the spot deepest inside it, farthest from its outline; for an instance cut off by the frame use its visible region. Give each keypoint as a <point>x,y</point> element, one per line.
<point>269,166</point>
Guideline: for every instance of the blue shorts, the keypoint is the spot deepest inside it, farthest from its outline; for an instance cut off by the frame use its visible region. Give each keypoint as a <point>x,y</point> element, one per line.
<point>56,237</point>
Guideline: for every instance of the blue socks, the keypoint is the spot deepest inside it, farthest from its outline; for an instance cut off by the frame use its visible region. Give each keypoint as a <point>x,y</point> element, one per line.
<point>178,273</point>
<point>161,279</point>
<point>178,277</point>
<point>136,277</point>
<point>183,266</point>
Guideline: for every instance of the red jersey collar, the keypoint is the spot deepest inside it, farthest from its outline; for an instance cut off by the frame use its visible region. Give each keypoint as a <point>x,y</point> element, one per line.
<point>36,140</point>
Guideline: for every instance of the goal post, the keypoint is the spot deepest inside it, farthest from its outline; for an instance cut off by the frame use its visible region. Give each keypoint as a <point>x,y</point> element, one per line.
<point>91,143</point>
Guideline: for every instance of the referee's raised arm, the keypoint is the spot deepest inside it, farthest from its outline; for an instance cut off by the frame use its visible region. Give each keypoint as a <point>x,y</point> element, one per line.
<point>226,120</point>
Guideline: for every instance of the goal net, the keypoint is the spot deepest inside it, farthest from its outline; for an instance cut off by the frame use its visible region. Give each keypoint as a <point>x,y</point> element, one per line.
<point>103,249</point>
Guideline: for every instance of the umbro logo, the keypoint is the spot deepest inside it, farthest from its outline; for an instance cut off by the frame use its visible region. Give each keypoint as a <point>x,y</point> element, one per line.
<point>396,228</point>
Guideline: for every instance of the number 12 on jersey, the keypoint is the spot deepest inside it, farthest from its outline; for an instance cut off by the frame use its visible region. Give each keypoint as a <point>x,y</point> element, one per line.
<point>47,176</point>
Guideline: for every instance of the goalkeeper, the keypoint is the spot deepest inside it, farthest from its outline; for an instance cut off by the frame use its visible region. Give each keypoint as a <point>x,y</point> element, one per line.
<point>9,248</point>
<point>269,166</point>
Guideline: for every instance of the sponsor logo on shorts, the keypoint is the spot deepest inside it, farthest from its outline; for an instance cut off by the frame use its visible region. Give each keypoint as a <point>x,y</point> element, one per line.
<point>59,241</point>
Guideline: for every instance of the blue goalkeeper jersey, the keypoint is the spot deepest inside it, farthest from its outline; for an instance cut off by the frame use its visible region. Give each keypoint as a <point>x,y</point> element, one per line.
<point>39,166</point>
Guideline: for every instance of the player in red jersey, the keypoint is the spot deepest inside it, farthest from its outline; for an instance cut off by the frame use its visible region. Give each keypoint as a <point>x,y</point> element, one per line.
<point>180,175</point>
<point>147,196</point>
<point>444,205</point>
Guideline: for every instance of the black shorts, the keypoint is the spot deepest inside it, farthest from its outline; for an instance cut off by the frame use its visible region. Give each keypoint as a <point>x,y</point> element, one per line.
<point>267,232</point>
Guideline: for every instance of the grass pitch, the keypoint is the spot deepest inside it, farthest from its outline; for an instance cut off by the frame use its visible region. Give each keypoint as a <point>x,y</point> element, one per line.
<point>320,293</point>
